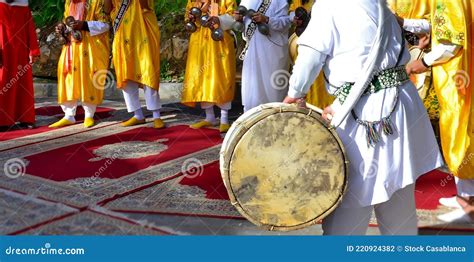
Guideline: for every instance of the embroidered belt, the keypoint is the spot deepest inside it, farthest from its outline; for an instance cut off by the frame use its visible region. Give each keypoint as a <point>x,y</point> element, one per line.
<point>388,78</point>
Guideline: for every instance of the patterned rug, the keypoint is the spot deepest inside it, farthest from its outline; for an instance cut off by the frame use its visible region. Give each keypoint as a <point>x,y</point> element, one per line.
<point>19,211</point>
<point>205,195</point>
<point>199,194</point>
<point>93,223</point>
<point>82,169</point>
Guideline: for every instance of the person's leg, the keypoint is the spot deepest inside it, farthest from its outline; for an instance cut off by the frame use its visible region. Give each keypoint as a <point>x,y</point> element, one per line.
<point>69,109</point>
<point>153,103</point>
<point>348,221</point>
<point>465,188</point>
<point>132,101</point>
<point>464,203</point>
<point>89,110</point>
<point>397,216</point>
<point>210,116</point>
<point>224,126</point>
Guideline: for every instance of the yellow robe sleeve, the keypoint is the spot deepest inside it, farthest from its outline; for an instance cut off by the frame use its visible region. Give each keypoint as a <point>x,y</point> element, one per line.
<point>99,14</point>
<point>228,8</point>
<point>295,4</point>
<point>451,21</point>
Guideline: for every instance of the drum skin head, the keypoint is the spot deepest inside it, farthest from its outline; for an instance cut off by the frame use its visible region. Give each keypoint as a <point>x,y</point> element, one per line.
<point>283,169</point>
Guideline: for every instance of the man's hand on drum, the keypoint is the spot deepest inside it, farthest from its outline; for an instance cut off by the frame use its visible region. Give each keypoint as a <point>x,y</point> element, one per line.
<point>300,102</point>
<point>416,67</point>
<point>328,114</point>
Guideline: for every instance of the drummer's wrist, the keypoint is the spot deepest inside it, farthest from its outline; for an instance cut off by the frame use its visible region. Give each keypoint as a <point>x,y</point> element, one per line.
<point>295,94</point>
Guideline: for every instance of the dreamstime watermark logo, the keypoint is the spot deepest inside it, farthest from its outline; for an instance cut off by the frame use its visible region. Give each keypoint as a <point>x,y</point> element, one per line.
<point>370,170</point>
<point>192,168</point>
<point>462,80</point>
<point>91,181</point>
<point>46,250</point>
<point>14,168</point>
<point>445,181</point>
<point>280,79</point>
<point>22,70</point>
<point>103,79</point>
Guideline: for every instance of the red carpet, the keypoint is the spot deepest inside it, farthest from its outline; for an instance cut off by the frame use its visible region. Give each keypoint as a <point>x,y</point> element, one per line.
<point>433,186</point>
<point>13,134</point>
<point>115,159</point>
<point>206,196</point>
<point>102,113</point>
<point>210,181</point>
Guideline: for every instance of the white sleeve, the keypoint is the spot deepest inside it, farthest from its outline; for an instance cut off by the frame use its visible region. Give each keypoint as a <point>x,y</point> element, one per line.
<point>307,67</point>
<point>322,26</point>
<point>227,21</point>
<point>441,53</point>
<point>280,21</point>
<point>97,28</point>
<point>417,26</point>
<point>292,15</point>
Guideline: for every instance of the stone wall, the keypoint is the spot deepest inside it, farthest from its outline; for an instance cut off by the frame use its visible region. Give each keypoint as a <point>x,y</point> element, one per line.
<point>174,46</point>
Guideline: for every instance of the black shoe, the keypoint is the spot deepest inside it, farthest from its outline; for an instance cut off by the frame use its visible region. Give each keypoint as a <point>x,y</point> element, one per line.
<point>26,126</point>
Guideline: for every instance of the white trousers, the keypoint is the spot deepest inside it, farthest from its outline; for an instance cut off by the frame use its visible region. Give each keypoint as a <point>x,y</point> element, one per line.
<point>69,109</point>
<point>465,187</point>
<point>397,216</point>
<point>132,99</point>
<point>225,106</point>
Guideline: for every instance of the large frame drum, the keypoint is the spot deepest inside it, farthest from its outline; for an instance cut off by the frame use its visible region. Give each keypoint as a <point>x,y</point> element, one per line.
<point>282,167</point>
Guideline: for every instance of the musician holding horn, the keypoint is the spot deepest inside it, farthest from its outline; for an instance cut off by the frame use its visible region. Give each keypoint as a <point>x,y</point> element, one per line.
<point>84,60</point>
<point>377,112</point>
<point>136,56</point>
<point>210,69</point>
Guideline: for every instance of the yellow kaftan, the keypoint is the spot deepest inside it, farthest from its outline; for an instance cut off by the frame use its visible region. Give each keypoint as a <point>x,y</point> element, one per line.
<point>317,95</point>
<point>451,21</point>
<point>136,46</point>
<point>83,79</point>
<point>211,65</point>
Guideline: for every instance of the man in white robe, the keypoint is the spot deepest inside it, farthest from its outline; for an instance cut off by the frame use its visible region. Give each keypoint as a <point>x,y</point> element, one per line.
<point>351,40</point>
<point>266,63</point>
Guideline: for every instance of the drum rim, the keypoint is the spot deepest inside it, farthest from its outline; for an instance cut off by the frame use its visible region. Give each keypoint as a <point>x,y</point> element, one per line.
<point>292,38</point>
<point>237,130</point>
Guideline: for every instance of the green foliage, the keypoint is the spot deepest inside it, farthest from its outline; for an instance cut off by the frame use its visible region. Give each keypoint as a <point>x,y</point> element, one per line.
<point>49,12</point>
<point>164,7</point>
